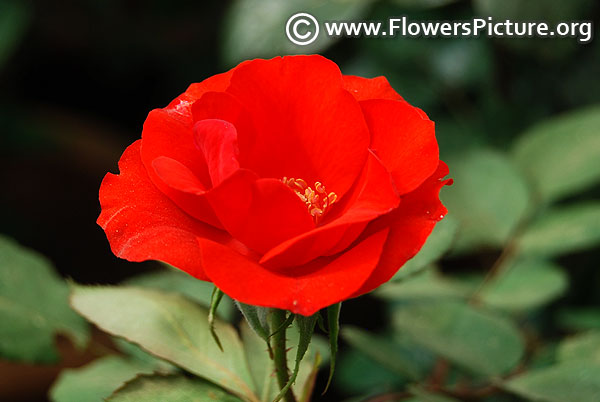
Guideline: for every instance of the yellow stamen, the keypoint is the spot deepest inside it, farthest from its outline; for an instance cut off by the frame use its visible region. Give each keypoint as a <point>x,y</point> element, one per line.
<point>317,201</point>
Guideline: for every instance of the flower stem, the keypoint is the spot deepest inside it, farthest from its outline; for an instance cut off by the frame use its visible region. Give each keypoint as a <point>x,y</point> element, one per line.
<point>280,353</point>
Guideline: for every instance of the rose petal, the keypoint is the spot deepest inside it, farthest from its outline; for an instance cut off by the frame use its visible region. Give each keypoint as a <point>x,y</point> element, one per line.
<point>306,125</point>
<point>142,224</point>
<point>311,288</point>
<point>404,140</point>
<point>183,102</point>
<point>169,133</point>
<point>260,213</point>
<point>177,176</point>
<point>217,139</point>
<point>370,88</point>
<point>410,225</point>
<point>373,195</point>
<point>222,106</point>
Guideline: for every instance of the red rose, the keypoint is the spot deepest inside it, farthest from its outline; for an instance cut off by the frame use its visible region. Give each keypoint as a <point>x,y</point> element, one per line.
<point>283,182</point>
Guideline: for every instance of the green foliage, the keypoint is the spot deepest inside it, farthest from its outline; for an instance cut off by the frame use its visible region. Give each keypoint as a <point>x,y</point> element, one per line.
<point>261,365</point>
<point>135,353</point>
<point>256,28</point>
<point>489,197</point>
<point>33,307</point>
<point>472,338</point>
<point>174,328</point>
<point>525,285</point>
<point>403,358</point>
<point>358,374</point>
<point>262,368</point>
<point>560,155</point>
<point>563,230</point>
<point>585,346</point>
<point>174,280</point>
<point>97,380</point>
<point>579,319</point>
<point>496,207</point>
<point>170,388</point>
<point>426,285</point>
<point>570,381</point>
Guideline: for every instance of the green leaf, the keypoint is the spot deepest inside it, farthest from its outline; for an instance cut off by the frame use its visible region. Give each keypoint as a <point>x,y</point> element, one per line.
<point>584,346</point>
<point>14,19</point>
<point>261,365</point>
<point>425,285</point>
<point>359,374</point>
<point>474,339</point>
<point>392,355</point>
<point>562,230</point>
<point>256,28</point>
<point>137,354</point>
<point>525,285</point>
<point>488,197</point>
<point>33,306</point>
<point>174,280</point>
<point>158,388</point>
<point>578,319</point>
<point>169,326</point>
<point>97,380</point>
<point>560,155</point>
<point>571,381</point>
<point>436,245</point>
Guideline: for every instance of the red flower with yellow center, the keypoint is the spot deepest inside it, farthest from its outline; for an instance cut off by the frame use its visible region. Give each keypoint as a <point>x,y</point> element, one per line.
<point>283,182</point>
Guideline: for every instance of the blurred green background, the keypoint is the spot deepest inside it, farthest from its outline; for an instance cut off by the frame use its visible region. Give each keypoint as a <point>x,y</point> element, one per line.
<point>517,120</point>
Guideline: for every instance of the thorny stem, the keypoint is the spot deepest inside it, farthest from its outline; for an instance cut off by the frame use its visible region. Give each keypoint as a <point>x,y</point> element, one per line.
<point>280,353</point>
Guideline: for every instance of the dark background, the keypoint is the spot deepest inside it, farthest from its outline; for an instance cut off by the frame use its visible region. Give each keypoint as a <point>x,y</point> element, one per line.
<point>77,79</point>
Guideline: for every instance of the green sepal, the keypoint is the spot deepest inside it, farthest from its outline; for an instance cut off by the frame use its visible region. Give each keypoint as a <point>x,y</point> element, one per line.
<point>257,318</point>
<point>333,323</point>
<point>321,323</point>
<point>215,299</point>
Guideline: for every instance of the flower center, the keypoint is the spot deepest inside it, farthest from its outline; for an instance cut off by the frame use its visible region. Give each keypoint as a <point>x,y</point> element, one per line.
<point>317,201</point>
